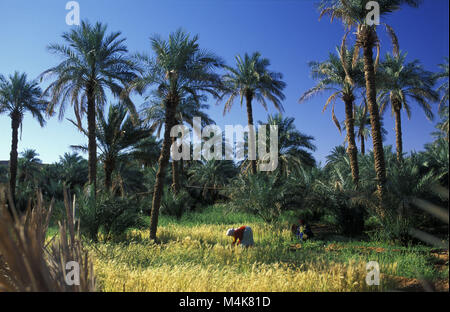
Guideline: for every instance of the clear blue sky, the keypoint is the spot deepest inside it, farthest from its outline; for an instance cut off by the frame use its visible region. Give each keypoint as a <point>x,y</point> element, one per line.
<point>286,32</point>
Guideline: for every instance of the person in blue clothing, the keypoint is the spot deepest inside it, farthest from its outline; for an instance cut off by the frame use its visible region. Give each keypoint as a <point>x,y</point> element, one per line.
<point>302,231</point>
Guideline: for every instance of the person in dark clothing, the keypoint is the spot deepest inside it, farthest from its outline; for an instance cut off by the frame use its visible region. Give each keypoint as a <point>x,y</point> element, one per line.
<point>302,231</point>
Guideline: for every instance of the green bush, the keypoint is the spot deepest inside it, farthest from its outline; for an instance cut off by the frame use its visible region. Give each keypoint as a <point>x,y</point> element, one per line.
<point>394,229</point>
<point>346,205</point>
<point>107,214</point>
<point>176,204</point>
<point>260,194</point>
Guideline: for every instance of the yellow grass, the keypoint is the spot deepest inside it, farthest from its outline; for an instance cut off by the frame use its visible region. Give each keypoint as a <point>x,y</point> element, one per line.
<point>200,259</point>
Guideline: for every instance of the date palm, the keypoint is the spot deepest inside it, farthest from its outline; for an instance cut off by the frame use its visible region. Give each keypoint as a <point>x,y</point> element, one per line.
<point>29,167</point>
<point>341,75</point>
<point>211,176</point>
<point>17,97</point>
<point>179,67</point>
<point>251,79</point>
<point>336,155</point>
<point>147,151</point>
<point>403,83</point>
<point>362,124</point>
<point>74,170</point>
<point>116,136</point>
<point>294,147</point>
<point>443,74</point>
<point>442,126</point>
<point>444,102</point>
<point>93,62</point>
<point>353,14</point>
<point>188,108</point>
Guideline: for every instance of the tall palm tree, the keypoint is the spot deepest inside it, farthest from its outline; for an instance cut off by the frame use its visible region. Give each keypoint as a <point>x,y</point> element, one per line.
<point>18,96</point>
<point>251,79</point>
<point>179,67</point>
<point>93,62</point>
<point>341,75</point>
<point>116,137</point>
<point>353,14</point>
<point>188,108</point>
<point>401,83</point>
<point>294,147</point>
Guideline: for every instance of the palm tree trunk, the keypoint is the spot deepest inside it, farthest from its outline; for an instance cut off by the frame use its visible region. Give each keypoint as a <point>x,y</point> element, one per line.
<point>251,133</point>
<point>182,167</point>
<point>162,162</point>
<point>175,172</point>
<point>367,40</point>
<point>398,134</point>
<point>15,123</point>
<point>108,167</point>
<point>350,128</point>
<point>363,147</point>
<point>92,144</point>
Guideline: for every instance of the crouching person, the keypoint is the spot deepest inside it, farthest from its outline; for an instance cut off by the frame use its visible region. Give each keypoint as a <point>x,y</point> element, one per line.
<point>243,236</point>
<point>302,231</point>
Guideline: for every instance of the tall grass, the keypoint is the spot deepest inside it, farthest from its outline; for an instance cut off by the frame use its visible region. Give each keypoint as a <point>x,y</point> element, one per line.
<point>198,257</point>
<point>31,262</point>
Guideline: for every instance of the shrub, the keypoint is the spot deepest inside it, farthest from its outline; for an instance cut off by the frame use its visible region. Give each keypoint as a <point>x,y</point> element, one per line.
<point>176,204</point>
<point>260,194</point>
<point>347,206</point>
<point>108,214</point>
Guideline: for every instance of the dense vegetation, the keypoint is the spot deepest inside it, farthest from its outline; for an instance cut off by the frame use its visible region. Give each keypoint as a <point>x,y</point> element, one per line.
<point>383,197</point>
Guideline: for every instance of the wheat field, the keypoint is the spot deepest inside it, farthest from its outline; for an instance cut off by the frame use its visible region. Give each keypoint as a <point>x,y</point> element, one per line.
<point>200,259</point>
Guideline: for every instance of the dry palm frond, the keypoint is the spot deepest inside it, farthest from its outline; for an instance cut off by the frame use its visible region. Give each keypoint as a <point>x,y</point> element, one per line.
<point>343,57</point>
<point>336,121</point>
<point>394,39</point>
<point>28,264</point>
<point>355,56</point>
<point>377,59</point>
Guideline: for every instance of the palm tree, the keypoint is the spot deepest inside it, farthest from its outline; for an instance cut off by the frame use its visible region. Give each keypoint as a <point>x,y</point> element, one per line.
<point>116,136</point>
<point>211,176</point>
<point>443,74</point>
<point>362,125</point>
<point>93,62</point>
<point>147,151</point>
<point>294,147</point>
<point>362,122</point>
<point>73,170</point>
<point>188,108</point>
<point>18,96</point>
<point>402,83</point>
<point>337,154</point>
<point>127,178</point>
<point>442,125</point>
<point>353,14</point>
<point>251,79</point>
<point>341,75</point>
<point>179,67</point>
<point>29,166</point>
<point>443,104</point>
